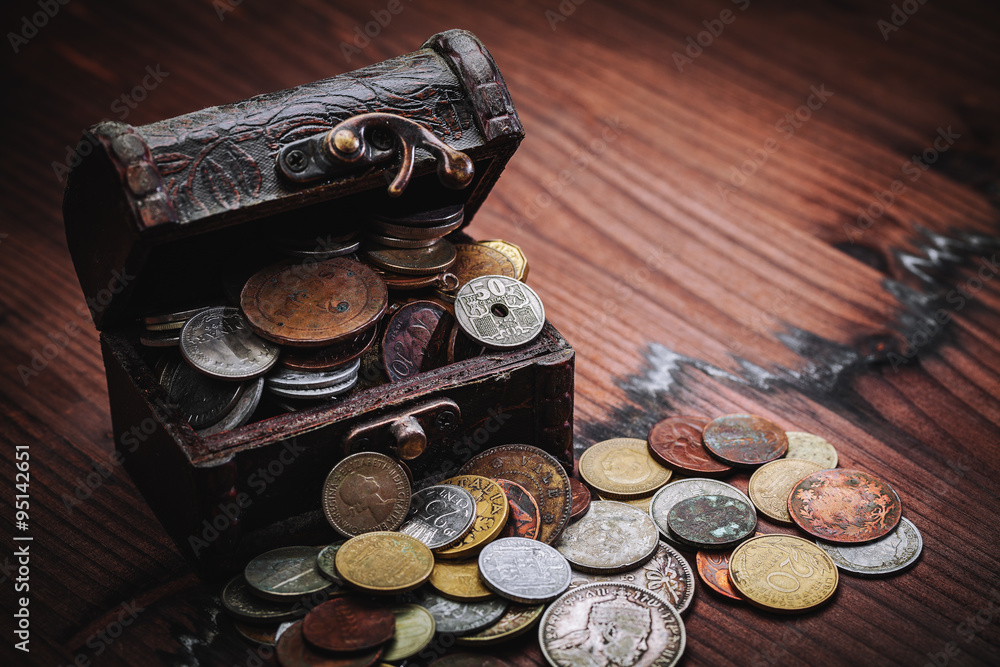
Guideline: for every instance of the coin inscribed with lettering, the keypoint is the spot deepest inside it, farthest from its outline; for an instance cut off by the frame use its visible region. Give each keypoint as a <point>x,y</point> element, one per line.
<point>286,573</point>
<point>218,342</point>
<point>676,491</point>
<point>439,515</point>
<point>771,483</point>
<point>460,617</point>
<point>514,254</point>
<point>492,510</point>
<point>459,580</point>
<point>896,551</point>
<point>676,443</point>
<point>811,447</point>
<point>499,312</point>
<point>842,505</point>
<point>783,573</point>
<point>416,339</point>
<point>523,570</point>
<point>367,491</point>
<point>384,563</point>
<point>622,468</point>
<point>712,522</point>
<point>517,620</point>
<point>475,260</point>
<point>744,440</point>
<point>612,537</point>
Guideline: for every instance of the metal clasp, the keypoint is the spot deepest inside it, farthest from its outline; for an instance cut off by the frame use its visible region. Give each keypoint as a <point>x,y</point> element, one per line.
<point>406,433</point>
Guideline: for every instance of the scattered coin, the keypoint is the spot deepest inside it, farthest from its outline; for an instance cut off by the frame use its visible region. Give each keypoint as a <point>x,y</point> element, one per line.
<point>581,499</point>
<point>612,537</point>
<point>492,511</point>
<point>240,600</point>
<point>286,573</point>
<point>367,491</point>
<point>348,624</point>
<point>517,620</point>
<point>622,468</point>
<point>201,400</point>
<point>641,504</point>
<point>439,515</point>
<point>673,493</point>
<point>712,522</point>
<point>744,440</point>
<point>475,260</point>
<point>811,447</point>
<point>412,261</point>
<point>575,630</point>
<point>499,312</point>
<point>896,551</point>
<point>524,519</point>
<point>414,631</point>
<point>325,561</point>
<point>218,342</point>
<point>782,573</point>
<point>293,651</point>
<point>713,568</point>
<point>514,254</point>
<point>415,339</point>
<point>459,580</point>
<point>460,618</point>
<point>676,443</point>
<point>524,570</point>
<point>841,505</point>
<point>771,483</point>
<point>384,562</point>
<point>262,634</point>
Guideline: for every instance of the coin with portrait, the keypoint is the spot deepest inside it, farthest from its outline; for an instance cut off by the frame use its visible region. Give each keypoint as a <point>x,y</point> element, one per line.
<point>367,491</point>
<point>622,468</point>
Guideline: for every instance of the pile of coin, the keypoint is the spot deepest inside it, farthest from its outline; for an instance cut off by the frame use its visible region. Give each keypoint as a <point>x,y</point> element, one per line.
<point>409,249</point>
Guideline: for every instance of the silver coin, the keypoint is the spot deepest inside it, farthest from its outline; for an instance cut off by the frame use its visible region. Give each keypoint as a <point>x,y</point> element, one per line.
<point>315,394</point>
<point>202,400</point>
<point>286,378</point>
<point>240,600</point>
<point>499,312</point>
<point>460,618</point>
<point>326,562</point>
<point>611,624</point>
<point>241,412</point>
<point>393,242</point>
<point>667,574</point>
<point>611,537</point>
<point>438,216</point>
<point>219,342</point>
<point>407,232</point>
<point>439,515</point>
<point>524,570</point>
<point>286,573</point>
<point>896,551</point>
<point>674,492</point>
<point>160,338</point>
<point>323,251</point>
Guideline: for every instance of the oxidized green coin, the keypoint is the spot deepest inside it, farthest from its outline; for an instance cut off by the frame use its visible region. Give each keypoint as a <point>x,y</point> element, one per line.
<point>712,522</point>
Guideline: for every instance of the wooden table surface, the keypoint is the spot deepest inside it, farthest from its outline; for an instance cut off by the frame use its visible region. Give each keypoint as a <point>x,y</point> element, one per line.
<point>783,208</point>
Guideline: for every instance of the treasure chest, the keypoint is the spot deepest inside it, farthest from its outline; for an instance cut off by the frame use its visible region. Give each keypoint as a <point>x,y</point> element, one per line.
<point>167,217</point>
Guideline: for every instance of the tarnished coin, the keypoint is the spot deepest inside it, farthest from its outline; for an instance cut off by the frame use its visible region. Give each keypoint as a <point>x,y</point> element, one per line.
<point>744,440</point>
<point>393,242</point>
<point>518,619</point>
<point>713,568</point>
<point>218,342</point>
<point>367,491</point>
<point>412,261</point>
<point>240,414</point>
<point>612,537</point>
<point>448,214</point>
<point>475,260</point>
<point>611,623</point>
<point>581,499</point>
<point>712,522</point>
<point>622,468</point>
<point>492,511</point>
<point>286,573</point>
<point>416,339</point>
<point>537,471</point>
<point>315,304</point>
<point>403,283</point>
<point>384,563</point>
<point>286,378</point>
<point>459,580</point>
<point>524,519</point>
<point>667,573</point>
<point>329,358</point>
<point>896,551</point>
<point>348,624</point>
<point>499,312</point>
<point>262,634</point>
<point>673,493</point>
<point>782,573</point>
<point>809,447</point>
<point>414,631</point>
<point>523,570</point>
<point>676,443</point>
<point>771,483</point>
<point>326,562</point>
<point>841,505</point>
<point>293,651</point>
<point>641,504</point>
<point>408,232</point>
<point>321,393</point>
<point>514,254</point>
<point>240,600</point>
<point>201,400</point>
<point>460,618</point>
<point>439,515</point>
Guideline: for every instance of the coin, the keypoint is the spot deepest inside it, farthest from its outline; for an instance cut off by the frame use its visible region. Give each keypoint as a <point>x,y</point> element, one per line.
<point>317,394</point>
<point>667,574</point>
<point>537,471</point>
<point>809,447</point>
<point>439,515</point>
<point>241,412</point>
<point>611,623</point>
<point>175,316</point>
<point>744,440</point>
<point>499,312</point>
<point>262,634</point>
<point>460,618</point>
<point>622,468</point>
<point>348,624</point>
<point>524,570</point>
<point>524,519</point>
<point>461,347</point>
<point>581,499</point>
<point>286,573</point>
<point>459,580</point>
<point>469,660</point>
<point>771,483</point>
<point>842,505</point>
<point>201,400</point>
<point>326,562</point>
<point>673,493</point>
<point>415,339</point>
<point>331,357</point>
<point>676,443</point>
<point>712,522</point>
<point>401,283</point>
<point>393,242</point>
<point>415,233</point>
<point>412,261</point>
<point>518,619</point>
<point>168,326</point>
<point>240,600</point>
<point>218,342</point>
<point>316,304</point>
<point>713,568</point>
<point>399,215</point>
<point>160,338</point>
<point>612,537</point>
<point>414,631</point>
<point>384,562</point>
<point>492,511</point>
<point>514,254</point>
<point>782,573</point>
<point>896,551</point>
<point>475,260</point>
<point>286,378</point>
<point>293,651</point>
<point>367,491</point>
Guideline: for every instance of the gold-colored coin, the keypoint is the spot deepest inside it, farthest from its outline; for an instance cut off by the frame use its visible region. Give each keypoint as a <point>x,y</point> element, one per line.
<point>492,510</point>
<point>772,482</point>
<point>459,580</point>
<point>414,631</point>
<point>518,619</point>
<point>384,563</point>
<point>809,447</point>
<point>513,253</point>
<point>622,468</point>
<point>783,573</point>
<point>642,503</point>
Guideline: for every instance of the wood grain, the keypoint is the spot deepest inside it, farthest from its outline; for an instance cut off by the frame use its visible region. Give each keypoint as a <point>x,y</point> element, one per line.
<point>686,285</point>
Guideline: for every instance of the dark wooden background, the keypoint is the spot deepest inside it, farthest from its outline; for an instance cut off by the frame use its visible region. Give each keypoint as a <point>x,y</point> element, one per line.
<point>685,286</point>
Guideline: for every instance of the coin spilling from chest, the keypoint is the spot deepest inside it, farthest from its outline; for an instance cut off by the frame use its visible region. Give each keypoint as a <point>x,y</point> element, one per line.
<point>513,253</point>
<point>428,260</point>
<point>771,483</point>
<point>460,617</point>
<point>783,573</point>
<point>439,515</point>
<point>384,563</point>
<point>524,519</point>
<point>286,573</point>
<point>499,312</point>
<point>331,357</point>
<point>492,510</point>
<point>475,260</point>
<point>367,491</point>
<point>676,443</point>
<point>612,537</point>
<point>202,400</point>
<point>842,505</point>
<point>523,570</point>
<point>622,468</point>
<point>744,440</point>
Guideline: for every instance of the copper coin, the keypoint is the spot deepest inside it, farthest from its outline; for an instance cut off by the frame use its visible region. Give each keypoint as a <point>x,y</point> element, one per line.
<point>415,339</point>
<point>713,569</point>
<point>476,260</point>
<point>399,282</point>
<point>293,651</point>
<point>524,519</point>
<point>412,261</point>
<point>366,492</point>
<point>348,624</point>
<point>581,499</point>
<point>841,505</point>
<point>537,471</point>
<point>330,357</point>
<point>676,443</point>
<point>744,440</point>
<point>314,304</point>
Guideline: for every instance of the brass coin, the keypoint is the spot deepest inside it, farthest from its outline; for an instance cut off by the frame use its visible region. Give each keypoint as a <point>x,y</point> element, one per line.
<point>474,260</point>
<point>772,482</point>
<point>246,604</point>
<point>412,261</point>
<point>744,440</point>
<point>809,447</point>
<point>286,573</point>
<point>622,468</point>
<point>517,620</point>
<point>314,304</point>
<point>783,573</point>
<point>367,491</point>
<point>514,254</point>
<point>459,580</point>
<point>384,563</point>
<point>492,511</point>
<point>414,631</point>
<point>642,503</point>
